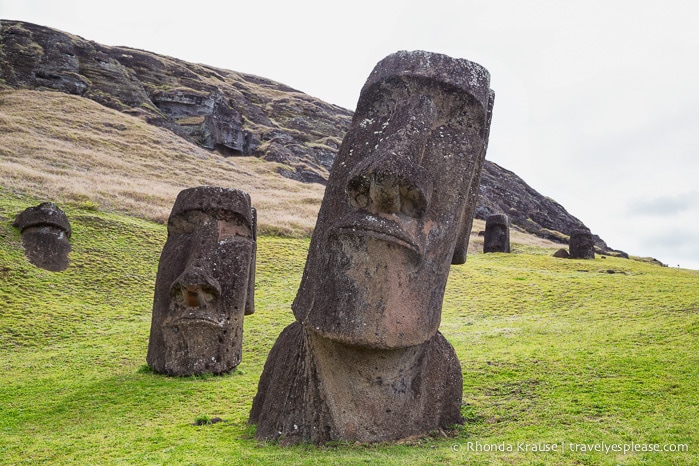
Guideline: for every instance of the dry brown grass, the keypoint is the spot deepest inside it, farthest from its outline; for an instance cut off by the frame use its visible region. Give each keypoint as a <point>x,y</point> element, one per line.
<point>69,149</point>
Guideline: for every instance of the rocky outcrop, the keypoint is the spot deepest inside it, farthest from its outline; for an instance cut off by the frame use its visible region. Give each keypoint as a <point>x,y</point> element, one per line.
<point>233,113</point>
<point>502,191</point>
<point>229,112</point>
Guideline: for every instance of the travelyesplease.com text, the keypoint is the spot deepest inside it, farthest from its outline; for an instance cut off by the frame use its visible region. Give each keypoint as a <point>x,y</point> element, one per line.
<point>562,447</point>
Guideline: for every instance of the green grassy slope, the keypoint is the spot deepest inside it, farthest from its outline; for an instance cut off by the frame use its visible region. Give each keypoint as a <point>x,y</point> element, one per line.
<point>552,351</point>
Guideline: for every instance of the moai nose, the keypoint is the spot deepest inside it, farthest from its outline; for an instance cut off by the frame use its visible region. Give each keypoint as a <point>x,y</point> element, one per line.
<point>195,288</point>
<point>387,192</point>
<point>384,192</point>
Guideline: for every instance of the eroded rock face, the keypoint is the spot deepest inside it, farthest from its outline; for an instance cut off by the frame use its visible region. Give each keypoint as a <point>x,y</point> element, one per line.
<point>205,283</point>
<point>582,244</point>
<point>45,233</point>
<point>365,361</point>
<point>497,234</point>
<point>222,110</point>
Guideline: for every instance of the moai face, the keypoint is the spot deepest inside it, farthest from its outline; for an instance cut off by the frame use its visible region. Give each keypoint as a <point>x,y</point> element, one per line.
<point>582,245</point>
<point>45,236</point>
<point>396,203</point>
<point>204,284</point>
<point>497,234</point>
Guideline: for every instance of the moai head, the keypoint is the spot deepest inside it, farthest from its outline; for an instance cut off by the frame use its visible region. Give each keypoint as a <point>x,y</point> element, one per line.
<point>205,283</point>
<point>582,245</point>
<point>497,233</point>
<point>397,202</point>
<point>45,236</point>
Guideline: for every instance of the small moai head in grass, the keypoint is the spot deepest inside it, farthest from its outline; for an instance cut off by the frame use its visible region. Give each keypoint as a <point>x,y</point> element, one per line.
<point>205,283</point>
<point>497,233</point>
<point>399,198</point>
<point>582,245</point>
<point>45,231</point>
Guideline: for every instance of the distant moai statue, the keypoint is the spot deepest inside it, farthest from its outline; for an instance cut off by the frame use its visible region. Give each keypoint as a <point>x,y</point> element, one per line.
<point>364,361</point>
<point>497,233</point>
<point>205,283</point>
<point>582,245</point>
<point>46,232</point>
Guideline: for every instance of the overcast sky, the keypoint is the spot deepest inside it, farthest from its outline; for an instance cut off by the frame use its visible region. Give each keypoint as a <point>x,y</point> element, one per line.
<point>597,102</point>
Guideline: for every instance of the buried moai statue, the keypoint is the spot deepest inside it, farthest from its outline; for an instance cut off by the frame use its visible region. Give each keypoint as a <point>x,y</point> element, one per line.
<point>582,244</point>
<point>205,283</point>
<point>364,361</point>
<point>45,234</point>
<point>497,233</point>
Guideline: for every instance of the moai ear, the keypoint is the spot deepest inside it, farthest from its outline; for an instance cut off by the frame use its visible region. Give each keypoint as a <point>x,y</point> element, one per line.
<point>461,248</point>
<point>250,298</point>
<point>462,238</point>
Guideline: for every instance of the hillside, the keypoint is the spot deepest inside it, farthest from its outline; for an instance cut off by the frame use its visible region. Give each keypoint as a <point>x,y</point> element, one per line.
<point>231,114</point>
<point>68,149</point>
<point>553,351</point>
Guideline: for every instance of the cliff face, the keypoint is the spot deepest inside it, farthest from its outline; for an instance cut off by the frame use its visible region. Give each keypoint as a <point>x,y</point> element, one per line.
<point>233,113</point>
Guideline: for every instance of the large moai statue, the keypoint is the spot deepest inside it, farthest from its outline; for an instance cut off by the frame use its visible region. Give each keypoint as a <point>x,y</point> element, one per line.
<point>364,361</point>
<point>582,245</point>
<point>205,283</point>
<point>497,233</point>
<point>45,231</point>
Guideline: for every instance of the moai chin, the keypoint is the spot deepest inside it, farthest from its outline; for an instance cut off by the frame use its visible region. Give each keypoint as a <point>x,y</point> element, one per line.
<point>497,233</point>
<point>46,232</point>
<point>205,283</point>
<point>582,245</point>
<point>364,360</point>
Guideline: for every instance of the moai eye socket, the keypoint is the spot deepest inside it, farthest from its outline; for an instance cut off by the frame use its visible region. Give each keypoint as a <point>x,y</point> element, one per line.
<point>187,222</point>
<point>358,189</point>
<point>229,230</point>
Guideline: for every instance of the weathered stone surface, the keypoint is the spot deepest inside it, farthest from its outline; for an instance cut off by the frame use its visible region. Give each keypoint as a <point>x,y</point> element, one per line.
<point>365,361</point>
<point>205,283</point>
<point>582,245</point>
<point>319,390</point>
<point>45,233</point>
<point>497,233</point>
<point>562,254</point>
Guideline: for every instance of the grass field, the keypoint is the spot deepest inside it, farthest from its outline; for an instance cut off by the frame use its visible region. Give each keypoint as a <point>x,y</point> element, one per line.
<point>576,355</point>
